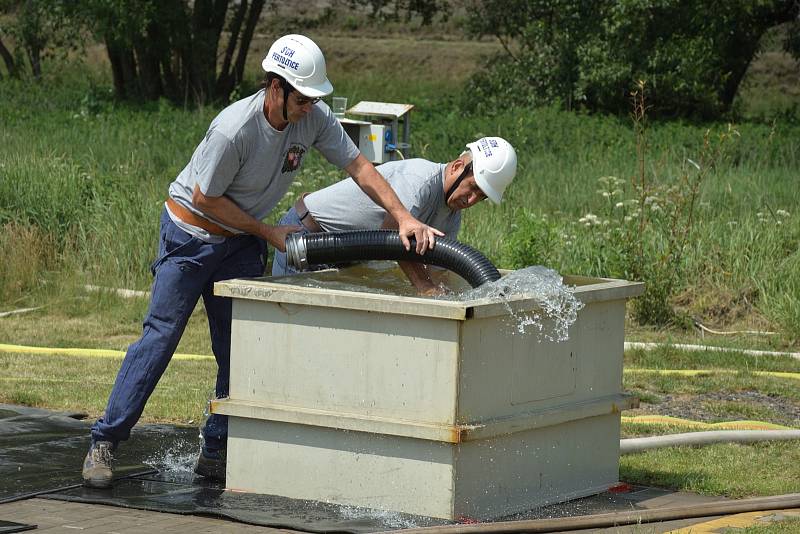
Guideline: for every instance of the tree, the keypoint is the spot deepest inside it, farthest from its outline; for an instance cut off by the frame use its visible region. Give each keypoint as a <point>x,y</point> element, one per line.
<point>8,59</point>
<point>38,28</point>
<point>170,48</point>
<point>395,10</point>
<point>693,55</point>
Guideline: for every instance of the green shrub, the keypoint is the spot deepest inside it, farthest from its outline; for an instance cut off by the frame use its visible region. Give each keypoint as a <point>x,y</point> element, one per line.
<point>591,54</point>
<point>534,240</point>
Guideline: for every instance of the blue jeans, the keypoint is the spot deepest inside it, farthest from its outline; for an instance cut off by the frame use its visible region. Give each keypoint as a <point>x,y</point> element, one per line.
<point>279,267</point>
<point>185,270</point>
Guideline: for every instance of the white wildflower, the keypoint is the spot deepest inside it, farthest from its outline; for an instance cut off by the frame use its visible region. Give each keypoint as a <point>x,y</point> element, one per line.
<point>782,213</point>
<point>589,219</point>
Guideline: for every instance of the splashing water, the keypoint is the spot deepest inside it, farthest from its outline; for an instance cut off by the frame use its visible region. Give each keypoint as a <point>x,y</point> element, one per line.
<point>177,458</point>
<point>557,305</point>
<point>393,520</point>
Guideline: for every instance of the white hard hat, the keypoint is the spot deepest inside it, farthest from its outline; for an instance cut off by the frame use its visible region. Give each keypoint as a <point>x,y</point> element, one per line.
<point>299,61</point>
<point>494,164</point>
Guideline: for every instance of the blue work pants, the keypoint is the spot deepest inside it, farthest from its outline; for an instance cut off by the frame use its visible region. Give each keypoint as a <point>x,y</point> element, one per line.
<point>185,269</point>
<point>279,265</point>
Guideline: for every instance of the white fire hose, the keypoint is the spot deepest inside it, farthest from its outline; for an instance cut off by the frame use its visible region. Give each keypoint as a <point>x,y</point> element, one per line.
<point>634,445</point>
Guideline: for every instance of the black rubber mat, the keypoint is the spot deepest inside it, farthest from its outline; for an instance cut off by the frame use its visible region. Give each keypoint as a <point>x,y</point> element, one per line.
<point>265,510</point>
<point>42,451</point>
<point>41,454</point>
<point>7,527</point>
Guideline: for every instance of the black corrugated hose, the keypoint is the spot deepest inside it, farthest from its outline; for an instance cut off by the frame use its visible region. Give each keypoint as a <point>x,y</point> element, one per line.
<point>363,245</point>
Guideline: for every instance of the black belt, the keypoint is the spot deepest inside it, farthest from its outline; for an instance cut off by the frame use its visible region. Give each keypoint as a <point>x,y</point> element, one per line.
<point>306,219</point>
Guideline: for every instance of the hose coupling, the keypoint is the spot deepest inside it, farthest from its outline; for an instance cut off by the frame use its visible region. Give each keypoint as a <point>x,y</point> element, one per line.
<point>296,251</point>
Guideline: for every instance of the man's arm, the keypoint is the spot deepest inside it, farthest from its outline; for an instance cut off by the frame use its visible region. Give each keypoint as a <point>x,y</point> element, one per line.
<point>227,212</point>
<point>416,273</point>
<point>376,187</point>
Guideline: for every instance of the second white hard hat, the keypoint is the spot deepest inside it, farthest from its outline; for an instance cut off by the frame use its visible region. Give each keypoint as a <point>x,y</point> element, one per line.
<point>299,61</point>
<point>494,164</point>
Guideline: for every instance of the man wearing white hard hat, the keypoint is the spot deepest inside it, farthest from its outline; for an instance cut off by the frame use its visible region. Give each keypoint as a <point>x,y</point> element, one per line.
<point>435,193</point>
<point>212,229</point>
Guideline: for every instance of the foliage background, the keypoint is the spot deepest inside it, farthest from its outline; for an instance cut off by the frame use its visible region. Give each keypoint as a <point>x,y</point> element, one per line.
<point>84,173</point>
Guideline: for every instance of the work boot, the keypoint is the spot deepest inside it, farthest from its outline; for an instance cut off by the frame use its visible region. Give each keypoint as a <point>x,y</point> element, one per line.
<point>97,471</point>
<point>211,464</point>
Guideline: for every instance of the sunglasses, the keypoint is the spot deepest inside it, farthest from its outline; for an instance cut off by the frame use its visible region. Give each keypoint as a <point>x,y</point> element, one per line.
<point>303,100</point>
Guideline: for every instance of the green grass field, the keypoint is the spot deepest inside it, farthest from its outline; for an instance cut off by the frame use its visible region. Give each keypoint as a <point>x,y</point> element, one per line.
<point>83,178</point>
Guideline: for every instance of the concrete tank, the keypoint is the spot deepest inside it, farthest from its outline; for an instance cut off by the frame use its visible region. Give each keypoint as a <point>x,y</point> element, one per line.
<point>429,407</point>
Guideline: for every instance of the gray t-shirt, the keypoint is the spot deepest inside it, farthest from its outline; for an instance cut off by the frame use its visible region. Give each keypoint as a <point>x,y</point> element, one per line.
<point>419,185</point>
<point>244,158</point>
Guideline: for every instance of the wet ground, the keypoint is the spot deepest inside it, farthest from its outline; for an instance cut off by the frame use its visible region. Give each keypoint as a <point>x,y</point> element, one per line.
<point>41,454</point>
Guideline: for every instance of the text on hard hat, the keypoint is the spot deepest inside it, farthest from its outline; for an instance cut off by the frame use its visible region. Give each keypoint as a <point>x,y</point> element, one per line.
<point>283,60</point>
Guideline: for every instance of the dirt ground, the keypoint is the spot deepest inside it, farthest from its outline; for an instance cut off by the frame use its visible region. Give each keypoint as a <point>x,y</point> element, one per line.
<point>740,405</point>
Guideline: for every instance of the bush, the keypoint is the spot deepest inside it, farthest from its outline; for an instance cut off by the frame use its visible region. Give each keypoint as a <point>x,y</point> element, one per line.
<point>534,240</point>
<point>27,254</point>
<point>589,55</point>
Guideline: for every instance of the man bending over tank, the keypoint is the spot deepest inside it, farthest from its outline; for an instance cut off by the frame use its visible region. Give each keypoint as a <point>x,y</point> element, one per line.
<point>435,193</point>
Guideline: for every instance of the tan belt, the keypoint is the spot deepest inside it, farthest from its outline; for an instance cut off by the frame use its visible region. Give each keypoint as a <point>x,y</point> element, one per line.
<point>190,217</point>
<point>306,219</point>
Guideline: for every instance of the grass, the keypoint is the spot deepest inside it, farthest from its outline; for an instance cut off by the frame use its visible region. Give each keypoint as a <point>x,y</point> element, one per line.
<point>731,410</point>
<point>713,382</point>
<point>100,157</point>
<point>97,321</point>
<point>785,526</point>
<point>735,471</point>
<point>730,470</point>
<point>673,358</point>
<point>76,383</point>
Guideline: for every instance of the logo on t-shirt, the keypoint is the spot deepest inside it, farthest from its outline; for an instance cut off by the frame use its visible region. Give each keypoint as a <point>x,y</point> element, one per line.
<point>293,158</point>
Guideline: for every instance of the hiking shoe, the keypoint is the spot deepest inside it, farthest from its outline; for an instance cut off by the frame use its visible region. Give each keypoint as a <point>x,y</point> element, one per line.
<point>211,464</point>
<point>97,472</point>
